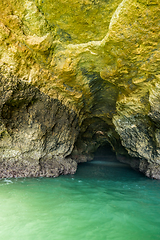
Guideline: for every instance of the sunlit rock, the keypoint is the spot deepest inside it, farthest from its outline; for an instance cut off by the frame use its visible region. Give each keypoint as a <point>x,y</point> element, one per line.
<point>75,75</point>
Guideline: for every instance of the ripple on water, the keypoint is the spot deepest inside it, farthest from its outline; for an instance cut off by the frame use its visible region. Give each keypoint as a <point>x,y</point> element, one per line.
<point>5,181</point>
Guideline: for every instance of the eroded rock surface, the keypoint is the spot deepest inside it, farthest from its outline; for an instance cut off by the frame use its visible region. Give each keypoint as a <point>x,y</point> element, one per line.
<point>75,75</point>
<point>36,133</point>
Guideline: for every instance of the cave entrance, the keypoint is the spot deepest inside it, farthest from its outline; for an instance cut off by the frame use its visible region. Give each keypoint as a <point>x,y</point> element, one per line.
<point>104,166</point>
<point>105,155</point>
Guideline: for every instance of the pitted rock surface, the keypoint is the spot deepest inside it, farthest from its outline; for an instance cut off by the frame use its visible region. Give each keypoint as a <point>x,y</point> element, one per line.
<point>75,75</point>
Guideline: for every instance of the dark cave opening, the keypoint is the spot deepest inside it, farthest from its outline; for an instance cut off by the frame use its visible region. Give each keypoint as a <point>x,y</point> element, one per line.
<point>105,166</point>
<point>99,143</point>
<point>106,161</point>
<point>105,153</point>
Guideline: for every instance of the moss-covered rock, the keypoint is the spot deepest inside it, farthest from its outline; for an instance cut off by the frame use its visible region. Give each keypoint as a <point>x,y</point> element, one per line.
<point>79,67</point>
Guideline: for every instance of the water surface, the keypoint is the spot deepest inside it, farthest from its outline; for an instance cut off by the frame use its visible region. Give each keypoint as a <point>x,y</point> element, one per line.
<point>102,201</point>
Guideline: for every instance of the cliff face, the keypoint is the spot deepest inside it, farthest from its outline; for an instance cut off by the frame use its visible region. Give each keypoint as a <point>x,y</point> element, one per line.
<point>75,75</point>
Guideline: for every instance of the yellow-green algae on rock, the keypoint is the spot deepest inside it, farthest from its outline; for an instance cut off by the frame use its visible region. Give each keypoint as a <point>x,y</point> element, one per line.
<point>91,67</point>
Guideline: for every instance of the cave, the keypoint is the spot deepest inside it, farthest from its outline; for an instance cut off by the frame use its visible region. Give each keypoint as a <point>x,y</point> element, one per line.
<point>72,82</point>
<point>105,153</point>
<point>79,113</point>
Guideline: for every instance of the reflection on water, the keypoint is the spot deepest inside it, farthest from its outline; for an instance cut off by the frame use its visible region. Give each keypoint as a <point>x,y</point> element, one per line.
<point>101,201</point>
<point>109,164</point>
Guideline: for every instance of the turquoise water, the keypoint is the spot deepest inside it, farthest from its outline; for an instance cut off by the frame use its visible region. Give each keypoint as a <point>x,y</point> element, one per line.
<point>103,201</point>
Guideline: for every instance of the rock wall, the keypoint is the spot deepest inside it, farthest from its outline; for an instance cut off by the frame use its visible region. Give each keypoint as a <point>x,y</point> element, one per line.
<point>75,75</point>
<point>36,133</point>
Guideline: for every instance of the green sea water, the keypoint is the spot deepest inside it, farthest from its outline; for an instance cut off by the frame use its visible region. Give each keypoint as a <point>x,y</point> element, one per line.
<point>102,201</point>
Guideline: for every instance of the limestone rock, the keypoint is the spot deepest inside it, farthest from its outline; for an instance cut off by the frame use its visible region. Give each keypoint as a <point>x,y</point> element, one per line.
<point>75,75</point>
<point>33,127</point>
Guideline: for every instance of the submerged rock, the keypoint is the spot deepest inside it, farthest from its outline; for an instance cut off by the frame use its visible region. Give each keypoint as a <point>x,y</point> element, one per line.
<point>75,75</point>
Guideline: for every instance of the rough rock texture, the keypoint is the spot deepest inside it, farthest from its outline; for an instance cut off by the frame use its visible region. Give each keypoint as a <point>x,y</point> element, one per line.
<point>36,132</point>
<point>75,75</point>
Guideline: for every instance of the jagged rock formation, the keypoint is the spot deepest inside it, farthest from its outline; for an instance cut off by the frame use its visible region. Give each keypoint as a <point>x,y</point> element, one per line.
<point>75,75</point>
<point>37,132</point>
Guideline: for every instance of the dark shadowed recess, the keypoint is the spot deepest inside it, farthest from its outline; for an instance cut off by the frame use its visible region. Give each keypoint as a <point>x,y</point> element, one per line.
<point>106,166</point>
<point>105,153</point>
